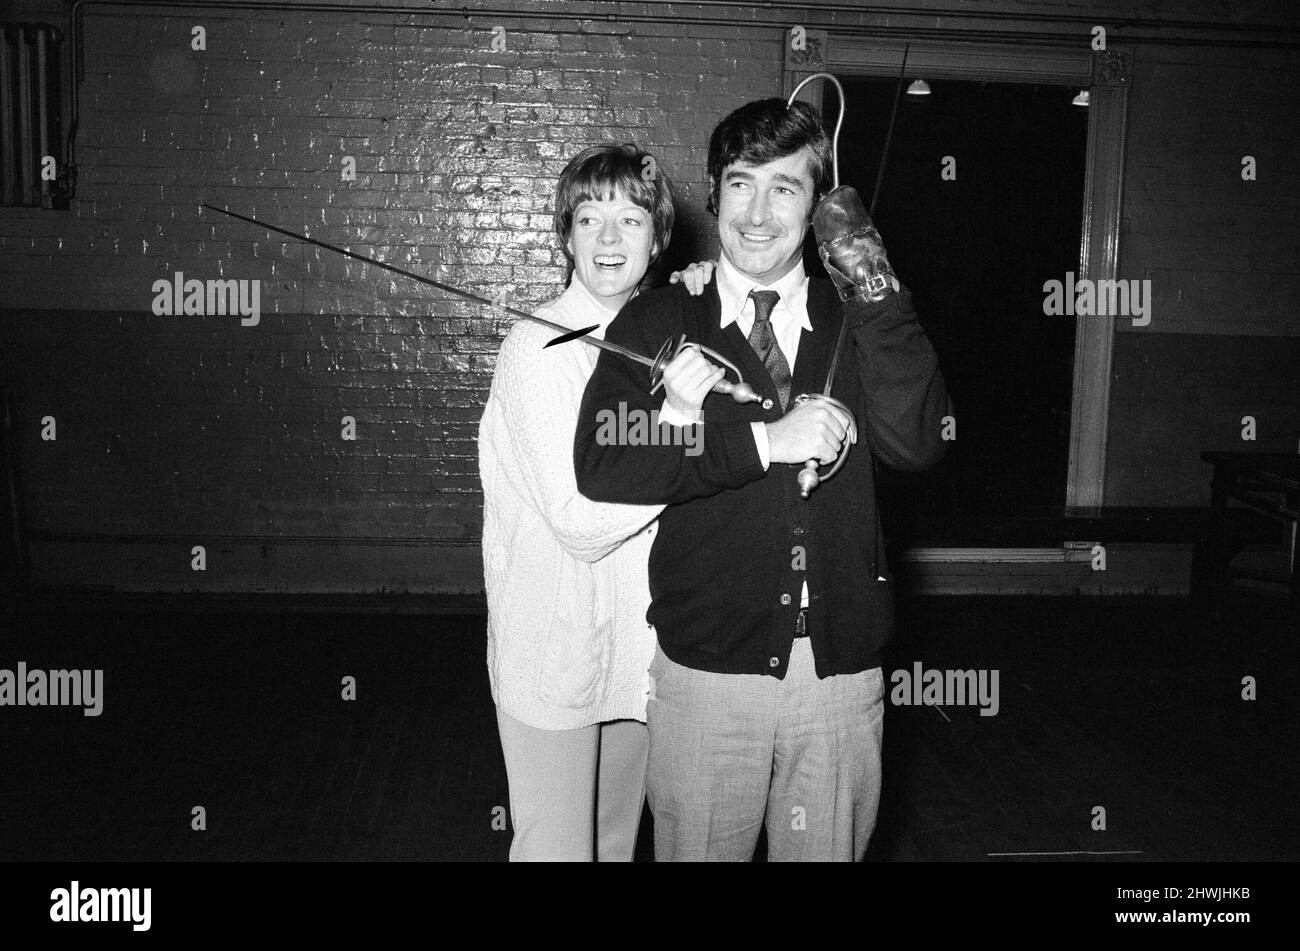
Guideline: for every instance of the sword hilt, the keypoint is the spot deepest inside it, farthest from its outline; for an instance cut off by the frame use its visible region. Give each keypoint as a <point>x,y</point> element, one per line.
<point>740,391</point>
<point>809,478</point>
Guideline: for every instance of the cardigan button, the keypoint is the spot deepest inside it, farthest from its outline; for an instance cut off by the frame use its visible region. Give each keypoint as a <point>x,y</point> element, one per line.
<point>774,662</point>
<point>767,404</point>
<point>785,599</point>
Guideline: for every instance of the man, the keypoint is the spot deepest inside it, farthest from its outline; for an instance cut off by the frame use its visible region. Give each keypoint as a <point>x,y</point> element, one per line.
<point>767,698</point>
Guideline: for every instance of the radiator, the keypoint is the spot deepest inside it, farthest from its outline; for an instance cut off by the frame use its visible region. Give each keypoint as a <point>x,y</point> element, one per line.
<point>30,116</point>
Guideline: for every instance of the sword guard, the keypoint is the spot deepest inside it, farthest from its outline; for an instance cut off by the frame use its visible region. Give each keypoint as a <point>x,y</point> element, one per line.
<point>809,478</point>
<point>740,391</point>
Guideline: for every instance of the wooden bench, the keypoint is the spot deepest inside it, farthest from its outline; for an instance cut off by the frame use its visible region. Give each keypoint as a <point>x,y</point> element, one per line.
<point>1267,487</point>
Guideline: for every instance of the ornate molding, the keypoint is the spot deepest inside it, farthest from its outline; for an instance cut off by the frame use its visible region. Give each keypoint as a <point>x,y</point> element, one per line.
<point>1110,68</point>
<point>810,59</point>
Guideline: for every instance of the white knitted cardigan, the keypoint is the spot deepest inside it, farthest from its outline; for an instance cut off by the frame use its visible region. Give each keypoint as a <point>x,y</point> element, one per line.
<point>567,585</point>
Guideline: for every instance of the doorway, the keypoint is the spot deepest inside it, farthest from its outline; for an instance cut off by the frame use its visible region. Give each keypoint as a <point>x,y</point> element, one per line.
<point>981,203</point>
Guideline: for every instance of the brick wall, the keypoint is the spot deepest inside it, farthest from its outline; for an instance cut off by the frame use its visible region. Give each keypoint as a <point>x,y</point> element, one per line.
<point>192,428</point>
<point>1222,254</point>
<point>1223,258</point>
<point>197,427</point>
<point>1177,395</point>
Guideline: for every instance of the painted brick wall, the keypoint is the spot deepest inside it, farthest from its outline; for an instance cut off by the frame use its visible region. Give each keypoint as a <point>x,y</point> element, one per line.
<point>1223,258</point>
<point>1222,254</point>
<point>200,425</point>
<point>1178,395</point>
<point>179,427</point>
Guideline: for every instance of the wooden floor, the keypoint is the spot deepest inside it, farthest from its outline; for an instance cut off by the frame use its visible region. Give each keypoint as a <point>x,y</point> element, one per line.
<point>1131,705</point>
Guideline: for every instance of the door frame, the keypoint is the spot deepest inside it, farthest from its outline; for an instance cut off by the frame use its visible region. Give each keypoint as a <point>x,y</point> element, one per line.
<point>1106,74</point>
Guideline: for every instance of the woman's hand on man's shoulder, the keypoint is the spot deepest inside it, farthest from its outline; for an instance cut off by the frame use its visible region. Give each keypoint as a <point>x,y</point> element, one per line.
<point>695,276</point>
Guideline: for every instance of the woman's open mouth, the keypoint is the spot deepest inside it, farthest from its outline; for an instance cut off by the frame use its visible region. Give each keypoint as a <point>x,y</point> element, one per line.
<point>610,262</point>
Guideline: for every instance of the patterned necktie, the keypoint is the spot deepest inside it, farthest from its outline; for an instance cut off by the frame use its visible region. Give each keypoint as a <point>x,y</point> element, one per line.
<point>763,340</point>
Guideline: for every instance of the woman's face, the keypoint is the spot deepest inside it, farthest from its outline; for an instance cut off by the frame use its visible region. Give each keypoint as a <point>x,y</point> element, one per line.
<point>611,242</point>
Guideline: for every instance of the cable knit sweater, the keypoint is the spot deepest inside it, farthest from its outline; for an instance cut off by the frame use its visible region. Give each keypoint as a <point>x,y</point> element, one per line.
<point>567,585</point>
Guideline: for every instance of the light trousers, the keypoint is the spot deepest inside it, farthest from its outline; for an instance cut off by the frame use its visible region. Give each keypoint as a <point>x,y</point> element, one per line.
<point>575,795</point>
<point>730,753</point>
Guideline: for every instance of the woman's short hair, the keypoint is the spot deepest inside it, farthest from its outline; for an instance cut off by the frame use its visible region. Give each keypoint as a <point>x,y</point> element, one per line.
<point>765,130</point>
<point>599,173</point>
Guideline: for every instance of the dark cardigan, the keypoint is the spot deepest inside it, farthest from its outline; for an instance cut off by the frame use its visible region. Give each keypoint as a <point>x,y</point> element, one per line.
<point>736,542</point>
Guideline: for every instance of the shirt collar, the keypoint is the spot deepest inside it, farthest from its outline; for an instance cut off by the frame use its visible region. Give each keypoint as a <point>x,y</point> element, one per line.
<point>734,288</point>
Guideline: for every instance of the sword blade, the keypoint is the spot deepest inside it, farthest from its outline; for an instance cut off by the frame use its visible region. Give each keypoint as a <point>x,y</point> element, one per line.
<point>875,194</point>
<point>592,341</point>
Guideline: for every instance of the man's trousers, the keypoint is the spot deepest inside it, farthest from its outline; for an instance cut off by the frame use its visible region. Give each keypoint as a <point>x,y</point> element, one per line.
<point>732,752</point>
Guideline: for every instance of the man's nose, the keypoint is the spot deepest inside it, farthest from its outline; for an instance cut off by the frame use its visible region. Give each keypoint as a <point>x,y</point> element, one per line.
<point>758,210</point>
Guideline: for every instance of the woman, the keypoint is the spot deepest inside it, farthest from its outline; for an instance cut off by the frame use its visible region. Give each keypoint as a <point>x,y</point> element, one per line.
<point>568,643</point>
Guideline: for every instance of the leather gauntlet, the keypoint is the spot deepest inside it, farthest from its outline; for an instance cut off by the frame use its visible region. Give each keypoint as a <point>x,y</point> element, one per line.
<point>850,247</point>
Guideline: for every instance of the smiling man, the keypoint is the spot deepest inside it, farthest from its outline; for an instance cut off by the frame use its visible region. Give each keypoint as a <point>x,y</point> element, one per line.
<point>766,699</point>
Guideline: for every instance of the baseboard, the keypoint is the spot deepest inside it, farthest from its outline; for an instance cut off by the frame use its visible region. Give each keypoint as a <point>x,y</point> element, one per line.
<point>157,564</point>
<point>338,566</point>
<point>1129,569</point>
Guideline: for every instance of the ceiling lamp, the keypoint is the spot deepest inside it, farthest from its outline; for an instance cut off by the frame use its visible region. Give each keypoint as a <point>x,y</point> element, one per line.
<point>1081,99</point>
<point>919,87</point>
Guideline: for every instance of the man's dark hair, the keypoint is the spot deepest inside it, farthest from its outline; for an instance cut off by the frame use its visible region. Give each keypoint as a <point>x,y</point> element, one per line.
<point>765,130</point>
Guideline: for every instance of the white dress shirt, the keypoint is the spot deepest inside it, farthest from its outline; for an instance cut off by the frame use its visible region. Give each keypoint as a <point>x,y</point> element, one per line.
<point>789,319</point>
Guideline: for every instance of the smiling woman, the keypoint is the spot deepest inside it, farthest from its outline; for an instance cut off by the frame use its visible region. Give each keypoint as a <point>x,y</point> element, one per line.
<point>610,244</point>
<point>566,578</point>
<point>612,222</point>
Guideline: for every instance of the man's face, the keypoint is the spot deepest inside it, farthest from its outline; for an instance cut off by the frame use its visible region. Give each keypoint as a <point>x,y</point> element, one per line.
<point>763,214</point>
